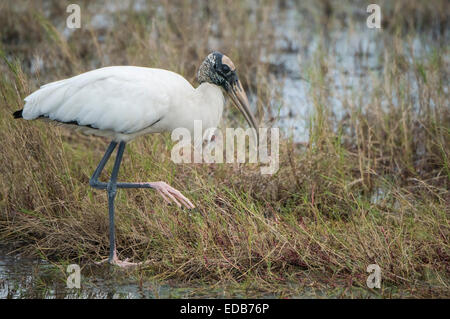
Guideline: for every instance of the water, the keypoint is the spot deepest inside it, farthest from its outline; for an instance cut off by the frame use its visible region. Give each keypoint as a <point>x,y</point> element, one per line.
<point>32,277</point>
<point>25,277</point>
<point>354,58</point>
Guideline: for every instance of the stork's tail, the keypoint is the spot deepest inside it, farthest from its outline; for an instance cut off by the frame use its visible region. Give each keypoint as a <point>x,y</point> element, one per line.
<point>18,114</point>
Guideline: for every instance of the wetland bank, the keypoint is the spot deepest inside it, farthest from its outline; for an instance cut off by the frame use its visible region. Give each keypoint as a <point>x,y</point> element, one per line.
<point>364,153</point>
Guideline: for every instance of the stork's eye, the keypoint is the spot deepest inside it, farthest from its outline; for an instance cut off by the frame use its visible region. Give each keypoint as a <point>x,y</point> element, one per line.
<point>226,69</point>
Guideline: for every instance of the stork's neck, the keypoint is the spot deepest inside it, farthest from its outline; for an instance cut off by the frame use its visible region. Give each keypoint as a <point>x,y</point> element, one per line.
<point>210,103</point>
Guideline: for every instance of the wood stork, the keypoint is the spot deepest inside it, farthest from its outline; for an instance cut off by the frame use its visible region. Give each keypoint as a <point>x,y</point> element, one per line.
<point>124,102</point>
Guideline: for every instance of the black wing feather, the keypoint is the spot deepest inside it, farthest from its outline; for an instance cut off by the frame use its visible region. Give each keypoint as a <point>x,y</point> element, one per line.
<point>18,114</point>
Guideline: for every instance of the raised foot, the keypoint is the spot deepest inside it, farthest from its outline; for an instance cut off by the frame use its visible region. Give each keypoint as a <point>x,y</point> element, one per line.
<point>171,194</point>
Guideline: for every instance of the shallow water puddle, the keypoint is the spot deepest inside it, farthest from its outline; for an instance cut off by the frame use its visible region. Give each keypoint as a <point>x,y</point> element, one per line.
<point>22,277</point>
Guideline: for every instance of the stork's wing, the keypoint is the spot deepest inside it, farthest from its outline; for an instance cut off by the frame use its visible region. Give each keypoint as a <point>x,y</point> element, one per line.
<point>121,99</point>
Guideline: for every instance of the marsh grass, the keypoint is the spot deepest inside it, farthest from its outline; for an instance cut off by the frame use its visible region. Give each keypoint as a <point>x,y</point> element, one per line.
<point>372,187</point>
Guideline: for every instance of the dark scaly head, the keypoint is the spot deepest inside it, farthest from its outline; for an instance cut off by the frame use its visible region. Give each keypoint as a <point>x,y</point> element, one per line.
<point>218,69</point>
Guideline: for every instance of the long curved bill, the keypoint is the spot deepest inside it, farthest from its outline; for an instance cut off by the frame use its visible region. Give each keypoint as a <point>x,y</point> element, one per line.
<point>240,99</point>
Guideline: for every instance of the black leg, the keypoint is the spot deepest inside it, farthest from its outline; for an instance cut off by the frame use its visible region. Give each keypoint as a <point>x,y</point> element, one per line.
<point>94,182</point>
<point>112,189</point>
<point>168,193</point>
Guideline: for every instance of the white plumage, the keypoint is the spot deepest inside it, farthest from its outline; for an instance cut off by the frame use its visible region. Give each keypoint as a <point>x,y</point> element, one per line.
<point>124,102</point>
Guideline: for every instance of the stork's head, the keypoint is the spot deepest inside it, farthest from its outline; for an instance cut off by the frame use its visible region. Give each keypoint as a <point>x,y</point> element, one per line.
<point>218,69</point>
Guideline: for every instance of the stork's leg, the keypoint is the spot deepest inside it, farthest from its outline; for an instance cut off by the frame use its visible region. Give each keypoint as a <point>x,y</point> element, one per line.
<point>94,182</point>
<point>168,193</point>
<point>111,187</point>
